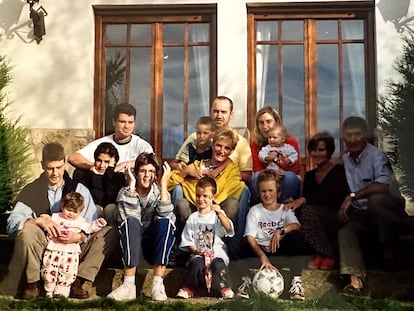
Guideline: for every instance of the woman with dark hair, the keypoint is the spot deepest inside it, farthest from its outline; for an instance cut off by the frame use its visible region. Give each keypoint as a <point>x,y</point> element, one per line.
<point>267,118</point>
<point>324,189</point>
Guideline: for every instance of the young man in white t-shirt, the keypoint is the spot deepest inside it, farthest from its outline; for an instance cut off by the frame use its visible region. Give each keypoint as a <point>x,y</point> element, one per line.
<point>129,145</point>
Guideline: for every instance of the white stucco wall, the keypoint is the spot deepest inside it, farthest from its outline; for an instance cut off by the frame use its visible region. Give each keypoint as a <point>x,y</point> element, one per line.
<point>389,42</point>
<point>53,80</point>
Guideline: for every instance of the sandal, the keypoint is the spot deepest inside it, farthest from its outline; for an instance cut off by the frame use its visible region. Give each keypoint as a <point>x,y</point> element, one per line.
<point>352,290</point>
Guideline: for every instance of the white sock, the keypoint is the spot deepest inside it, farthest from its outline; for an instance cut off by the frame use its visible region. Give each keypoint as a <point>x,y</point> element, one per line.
<point>130,279</point>
<point>157,279</point>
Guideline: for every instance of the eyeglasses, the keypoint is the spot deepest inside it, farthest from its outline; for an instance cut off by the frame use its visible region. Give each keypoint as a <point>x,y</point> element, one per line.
<point>354,135</point>
<point>146,172</point>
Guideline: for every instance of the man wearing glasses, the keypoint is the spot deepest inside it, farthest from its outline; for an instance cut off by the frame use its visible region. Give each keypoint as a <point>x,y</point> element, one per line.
<point>147,223</point>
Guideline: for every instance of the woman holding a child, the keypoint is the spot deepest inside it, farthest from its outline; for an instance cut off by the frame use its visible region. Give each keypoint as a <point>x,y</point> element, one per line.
<point>266,119</point>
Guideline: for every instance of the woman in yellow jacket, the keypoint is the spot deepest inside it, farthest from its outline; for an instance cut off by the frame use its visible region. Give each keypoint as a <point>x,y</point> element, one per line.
<point>232,194</point>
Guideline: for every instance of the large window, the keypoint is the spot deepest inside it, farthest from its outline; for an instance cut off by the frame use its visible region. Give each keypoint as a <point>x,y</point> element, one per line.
<point>314,63</point>
<point>159,59</point>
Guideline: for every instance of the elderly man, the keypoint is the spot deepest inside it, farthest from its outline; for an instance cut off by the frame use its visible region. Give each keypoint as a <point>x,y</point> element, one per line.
<point>372,191</point>
<point>30,222</point>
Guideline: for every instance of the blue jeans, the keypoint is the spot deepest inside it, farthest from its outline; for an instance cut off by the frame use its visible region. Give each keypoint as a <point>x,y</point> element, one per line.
<point>290,187</point>
<point>176,194</point>
<point>236,245</point>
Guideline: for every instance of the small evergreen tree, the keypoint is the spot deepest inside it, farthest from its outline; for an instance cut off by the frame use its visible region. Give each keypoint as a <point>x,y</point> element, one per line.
<point>15,155</point>
<point>396,112</point>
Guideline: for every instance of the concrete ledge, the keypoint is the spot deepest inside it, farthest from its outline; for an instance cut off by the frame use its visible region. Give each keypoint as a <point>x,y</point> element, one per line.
<point>379,284</point>
<point>317,283</point>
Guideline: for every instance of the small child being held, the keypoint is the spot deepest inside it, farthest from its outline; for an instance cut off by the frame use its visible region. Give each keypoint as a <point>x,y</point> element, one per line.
<point>277,154</point>
<point>202,238</point>
<point>61,259</point>
<point>198,150</point>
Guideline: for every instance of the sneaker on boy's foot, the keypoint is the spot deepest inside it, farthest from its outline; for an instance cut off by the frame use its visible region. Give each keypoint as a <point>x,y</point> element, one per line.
<point>244,289</point>
<point>185,293</point>
<point>124,292</point>
<point>227,293</point>
<point>158,291</point>
<point>296,290</point>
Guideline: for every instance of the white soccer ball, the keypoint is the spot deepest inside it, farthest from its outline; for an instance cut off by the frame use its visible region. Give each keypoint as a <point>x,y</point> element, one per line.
<point>269,282</point>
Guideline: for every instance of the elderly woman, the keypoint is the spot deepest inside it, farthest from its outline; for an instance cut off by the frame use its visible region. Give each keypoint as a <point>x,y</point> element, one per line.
<point>266,118</point>
<point>324,190</point>
<point>232,194</point>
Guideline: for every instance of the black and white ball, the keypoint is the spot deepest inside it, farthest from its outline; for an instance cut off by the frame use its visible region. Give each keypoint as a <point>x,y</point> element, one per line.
<point>269,282</point>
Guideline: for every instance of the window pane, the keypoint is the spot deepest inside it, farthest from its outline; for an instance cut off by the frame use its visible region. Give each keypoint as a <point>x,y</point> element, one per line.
<point>115,34</point>
<point>292,30</point>
<point>173,32</point>
<point>199,32</point>
<point>198,85</point>
<point>115,82</point>
<point>267,75</point>
<point>353,29</point>
<point>140,90</point>
<point>266,31</point>
<point>293,92</point>
<point>328,90</point>
<point>327,30</point>
<point>354,80</point>
<point>141,34</point>
<point>173,113</point>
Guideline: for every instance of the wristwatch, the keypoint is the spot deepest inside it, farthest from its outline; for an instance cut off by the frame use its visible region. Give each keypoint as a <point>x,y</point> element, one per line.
<point>282,231</point>
<point>352,195</point>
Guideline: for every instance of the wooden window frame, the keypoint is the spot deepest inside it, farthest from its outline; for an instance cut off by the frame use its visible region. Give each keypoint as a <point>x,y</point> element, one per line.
<point>123,14</point>
<point>306,11</point>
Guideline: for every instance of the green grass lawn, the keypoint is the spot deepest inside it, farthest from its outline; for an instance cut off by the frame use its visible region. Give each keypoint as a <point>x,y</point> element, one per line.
<point>330,301</point>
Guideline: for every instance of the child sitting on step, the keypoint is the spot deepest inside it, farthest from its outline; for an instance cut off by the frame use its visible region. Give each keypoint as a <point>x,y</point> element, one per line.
<point>202,238</point>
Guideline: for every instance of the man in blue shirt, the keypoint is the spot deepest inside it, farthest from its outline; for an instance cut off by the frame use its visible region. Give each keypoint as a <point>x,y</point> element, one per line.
<point>372,189</point>
<point>30,222</point>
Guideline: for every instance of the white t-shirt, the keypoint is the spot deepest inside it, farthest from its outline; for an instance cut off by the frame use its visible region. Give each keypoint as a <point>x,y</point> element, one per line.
<point>204,231</point>
<point>127,151</point>
<point>261,223</point>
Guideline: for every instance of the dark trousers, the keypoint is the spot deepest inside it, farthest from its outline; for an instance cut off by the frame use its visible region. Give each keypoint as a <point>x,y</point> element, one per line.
<point>194,279</point>
<point>389,216</point>
<point>381,222</point>
<point>292,244</point>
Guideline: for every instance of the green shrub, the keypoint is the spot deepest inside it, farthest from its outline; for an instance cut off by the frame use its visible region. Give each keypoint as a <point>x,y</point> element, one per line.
<point>396,111</point>
<point>15,153</point>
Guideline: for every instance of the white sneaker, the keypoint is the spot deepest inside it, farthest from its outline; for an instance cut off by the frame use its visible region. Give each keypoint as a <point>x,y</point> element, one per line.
<point>227,293</point>
<point>158,292</point>
<point>244,289</point>
<point>296,290</point>
<point>184,293</point>
<point>124,292</point>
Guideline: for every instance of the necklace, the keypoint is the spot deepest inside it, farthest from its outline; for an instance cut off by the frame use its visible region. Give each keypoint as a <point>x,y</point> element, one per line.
<point>211,167</point>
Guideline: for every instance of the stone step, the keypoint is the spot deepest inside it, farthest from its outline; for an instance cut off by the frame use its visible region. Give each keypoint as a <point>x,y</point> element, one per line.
<point>317,283</point>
